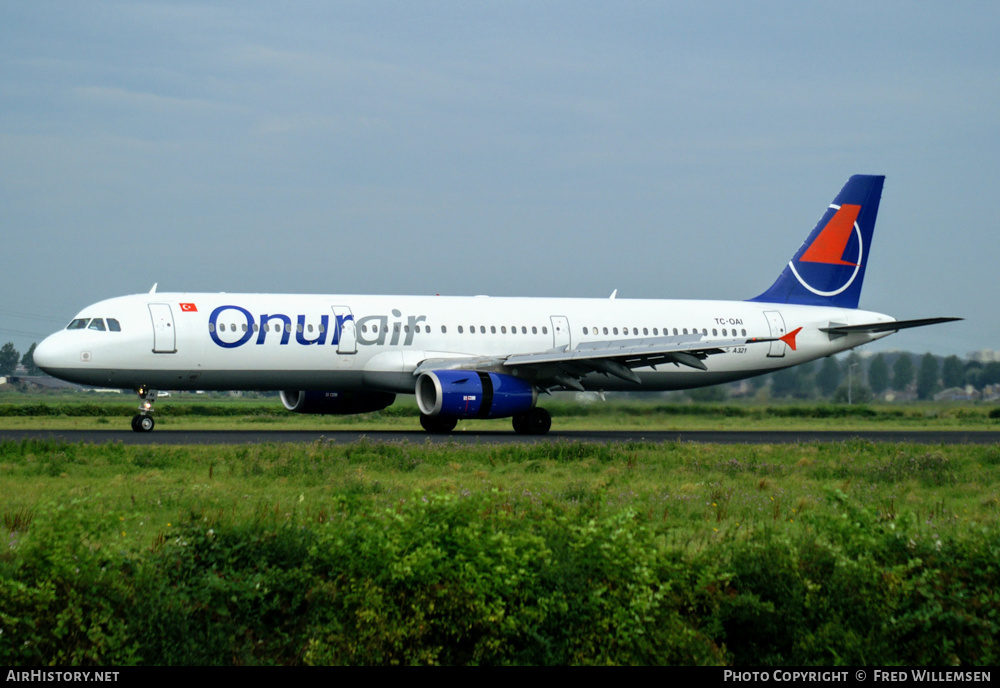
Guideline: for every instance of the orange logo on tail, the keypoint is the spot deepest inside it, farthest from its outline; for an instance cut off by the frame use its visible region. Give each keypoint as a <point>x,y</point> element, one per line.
<point>830,244</point>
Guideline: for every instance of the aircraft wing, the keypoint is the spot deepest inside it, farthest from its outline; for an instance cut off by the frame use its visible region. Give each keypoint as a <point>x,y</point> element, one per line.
<point>563,367</point>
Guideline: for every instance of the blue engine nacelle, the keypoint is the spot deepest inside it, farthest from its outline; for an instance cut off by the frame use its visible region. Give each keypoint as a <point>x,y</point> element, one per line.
<point>469,394</point>
<point>335,403</point>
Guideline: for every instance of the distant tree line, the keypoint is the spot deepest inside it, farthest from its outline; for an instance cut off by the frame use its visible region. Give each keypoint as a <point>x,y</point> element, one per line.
<point>858,379</point>
<point>9,358</point>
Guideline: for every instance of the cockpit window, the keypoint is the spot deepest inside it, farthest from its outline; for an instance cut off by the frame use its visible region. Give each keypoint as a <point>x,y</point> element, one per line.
<point>97,324</point>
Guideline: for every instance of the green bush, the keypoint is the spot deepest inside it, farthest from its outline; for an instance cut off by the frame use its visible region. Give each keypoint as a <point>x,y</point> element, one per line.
<point>63,601</point>
<point>485,579</point>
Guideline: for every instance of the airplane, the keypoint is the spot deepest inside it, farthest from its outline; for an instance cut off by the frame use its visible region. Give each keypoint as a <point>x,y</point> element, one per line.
<point>479,356</point>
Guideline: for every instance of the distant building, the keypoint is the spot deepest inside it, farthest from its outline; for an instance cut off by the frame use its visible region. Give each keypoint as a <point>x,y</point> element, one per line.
<point>985,356</point>
<point>967,393</point>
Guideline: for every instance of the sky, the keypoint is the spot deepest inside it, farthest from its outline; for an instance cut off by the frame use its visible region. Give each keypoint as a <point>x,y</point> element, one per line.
<point>663,149</point>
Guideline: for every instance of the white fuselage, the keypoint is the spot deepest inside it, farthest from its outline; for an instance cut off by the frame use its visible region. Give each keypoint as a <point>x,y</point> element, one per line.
<point>353,342</point>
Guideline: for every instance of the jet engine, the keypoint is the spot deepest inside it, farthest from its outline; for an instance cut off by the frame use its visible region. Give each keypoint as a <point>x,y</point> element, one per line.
<point>335,403</point>
<point>470,394</point>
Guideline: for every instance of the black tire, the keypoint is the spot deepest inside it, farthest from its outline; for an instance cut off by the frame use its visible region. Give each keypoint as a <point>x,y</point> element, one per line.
<point>135,423</point>
<point>438,425</point>
<point>537,421</point>
<point>520,423</point>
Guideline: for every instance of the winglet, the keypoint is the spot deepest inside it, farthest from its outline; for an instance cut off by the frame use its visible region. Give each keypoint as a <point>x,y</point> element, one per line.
<point>789,338</point>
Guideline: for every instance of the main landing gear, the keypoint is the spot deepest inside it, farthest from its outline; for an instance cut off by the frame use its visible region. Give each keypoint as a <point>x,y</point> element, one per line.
<point>438,425</point>
<point>537,421</point>
<point>143,421</point>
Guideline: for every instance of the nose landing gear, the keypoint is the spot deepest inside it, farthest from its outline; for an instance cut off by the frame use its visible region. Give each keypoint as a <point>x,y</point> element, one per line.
<point>143,421</point>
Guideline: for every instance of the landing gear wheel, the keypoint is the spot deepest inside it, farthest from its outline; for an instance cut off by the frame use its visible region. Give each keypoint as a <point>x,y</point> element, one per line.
<point>438,425</point>
<point>537,421</point>
<point>143,423</point>
<point>519,423</point>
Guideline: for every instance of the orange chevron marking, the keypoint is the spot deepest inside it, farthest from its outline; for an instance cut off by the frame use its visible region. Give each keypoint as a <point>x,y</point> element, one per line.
<point>789,338</point>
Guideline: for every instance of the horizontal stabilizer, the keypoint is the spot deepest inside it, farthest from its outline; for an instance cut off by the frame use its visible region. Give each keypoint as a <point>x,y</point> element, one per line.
<point>893,326</point>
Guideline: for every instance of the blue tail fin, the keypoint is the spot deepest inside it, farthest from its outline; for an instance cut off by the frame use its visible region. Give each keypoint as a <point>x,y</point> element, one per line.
<point>829,268</point>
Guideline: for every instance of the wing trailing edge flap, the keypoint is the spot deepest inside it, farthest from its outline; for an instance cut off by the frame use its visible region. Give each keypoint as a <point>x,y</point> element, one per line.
<point>564,367</point>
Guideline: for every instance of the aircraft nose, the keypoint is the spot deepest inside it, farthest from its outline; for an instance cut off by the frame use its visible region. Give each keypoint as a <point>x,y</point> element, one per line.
<point>47,354</point>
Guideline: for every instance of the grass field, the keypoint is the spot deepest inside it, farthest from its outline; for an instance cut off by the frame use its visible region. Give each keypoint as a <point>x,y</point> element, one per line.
<point>548,553</point>
<point>196,412</point>
<point>553,553</point>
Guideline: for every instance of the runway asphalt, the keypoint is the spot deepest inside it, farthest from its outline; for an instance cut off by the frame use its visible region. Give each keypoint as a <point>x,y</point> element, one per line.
<point>178,437</point>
